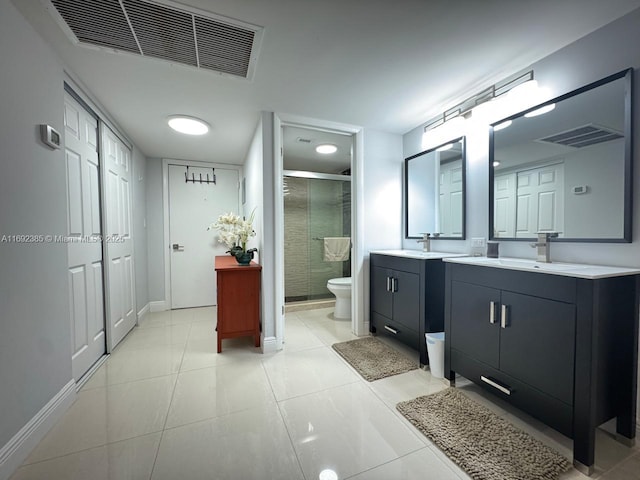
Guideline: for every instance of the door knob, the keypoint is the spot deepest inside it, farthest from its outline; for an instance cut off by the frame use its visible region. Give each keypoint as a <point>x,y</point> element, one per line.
<point>178,247</point>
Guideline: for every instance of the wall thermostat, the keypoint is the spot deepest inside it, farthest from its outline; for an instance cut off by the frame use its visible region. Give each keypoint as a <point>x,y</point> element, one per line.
<point>580,189</point>
<point>50,136</point>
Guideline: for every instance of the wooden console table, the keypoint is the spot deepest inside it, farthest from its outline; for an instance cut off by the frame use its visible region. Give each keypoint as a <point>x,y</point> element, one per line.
<point>238,299</point>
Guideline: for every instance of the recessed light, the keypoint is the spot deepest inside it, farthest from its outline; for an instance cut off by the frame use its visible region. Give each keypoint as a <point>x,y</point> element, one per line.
<point>188,125</point>
<point>496,163</point>
<point>326,148</point>
<point>541,111</point>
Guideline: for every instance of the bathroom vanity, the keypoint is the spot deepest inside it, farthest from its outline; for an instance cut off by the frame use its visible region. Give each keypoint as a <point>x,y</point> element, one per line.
<point>407,295</point>
<point>559,341</point>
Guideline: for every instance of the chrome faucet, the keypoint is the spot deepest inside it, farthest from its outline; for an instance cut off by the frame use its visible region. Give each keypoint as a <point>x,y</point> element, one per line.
<point>426,241</point>
<point>542,246</point>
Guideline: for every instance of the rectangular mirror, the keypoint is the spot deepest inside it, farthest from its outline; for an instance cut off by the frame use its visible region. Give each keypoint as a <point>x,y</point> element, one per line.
<point>565,166</point>
<point>435,191</point>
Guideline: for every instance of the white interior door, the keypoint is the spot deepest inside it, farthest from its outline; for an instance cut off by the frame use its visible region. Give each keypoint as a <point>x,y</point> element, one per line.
<point>504,213</point>
<point>450,200</point>
<point>84,237</point>
<point>118,240</point>
<point>193,206</point>
<point>540,201</point>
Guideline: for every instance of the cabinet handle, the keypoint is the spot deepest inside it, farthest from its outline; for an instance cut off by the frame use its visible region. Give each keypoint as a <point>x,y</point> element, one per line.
<point>495,384</point>
<point>503,317</point>
<point>388,284</point>
<point>394,284</point>
<point>392,330</point>
<point>492,312</point>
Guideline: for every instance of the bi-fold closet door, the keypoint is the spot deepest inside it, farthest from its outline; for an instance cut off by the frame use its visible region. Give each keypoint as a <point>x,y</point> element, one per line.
<point>98,236</point>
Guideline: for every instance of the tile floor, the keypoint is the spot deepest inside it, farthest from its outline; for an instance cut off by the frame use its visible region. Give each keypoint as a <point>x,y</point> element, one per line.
<point>166,406</point>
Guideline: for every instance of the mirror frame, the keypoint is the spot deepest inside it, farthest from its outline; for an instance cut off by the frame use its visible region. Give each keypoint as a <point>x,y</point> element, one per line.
<point>462,140</point>
<point>627,75</point>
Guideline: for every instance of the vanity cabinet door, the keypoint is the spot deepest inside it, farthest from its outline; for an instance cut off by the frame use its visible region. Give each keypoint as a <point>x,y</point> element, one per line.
<point>537,343</point>
<point>406,299</point>
<point>381,296</point>
<point>475,327</point>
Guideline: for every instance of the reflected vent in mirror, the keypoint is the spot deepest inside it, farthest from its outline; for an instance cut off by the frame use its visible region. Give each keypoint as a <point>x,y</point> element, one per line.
<point>176,34</point>
<point>583,136</point>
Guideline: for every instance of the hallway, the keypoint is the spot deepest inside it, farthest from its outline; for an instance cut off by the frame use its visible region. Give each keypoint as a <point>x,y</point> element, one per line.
<point>166,406</point>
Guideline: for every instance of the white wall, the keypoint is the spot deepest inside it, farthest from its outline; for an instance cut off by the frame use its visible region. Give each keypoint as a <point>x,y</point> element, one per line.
<point>155,230</point>
<point>139,227</point>
<point>382,198</point>
<point>35,338</point>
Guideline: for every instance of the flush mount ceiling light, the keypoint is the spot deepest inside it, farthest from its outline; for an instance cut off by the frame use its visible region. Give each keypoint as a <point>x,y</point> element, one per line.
<point>326,148</point>
<point>188,125</point>
<point>496,163</point>
<point>502,125</point>
<point>540,111</point>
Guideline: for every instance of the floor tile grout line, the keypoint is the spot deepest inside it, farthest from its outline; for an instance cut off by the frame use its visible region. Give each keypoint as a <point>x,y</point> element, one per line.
<point>293,446</point>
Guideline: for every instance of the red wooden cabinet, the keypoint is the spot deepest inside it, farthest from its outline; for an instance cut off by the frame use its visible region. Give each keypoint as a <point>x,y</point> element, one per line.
<point>238,299</point>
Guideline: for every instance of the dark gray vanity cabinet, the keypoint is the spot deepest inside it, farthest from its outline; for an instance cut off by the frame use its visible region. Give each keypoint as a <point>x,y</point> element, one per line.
<point>563,349</point>
<point>406,299</point>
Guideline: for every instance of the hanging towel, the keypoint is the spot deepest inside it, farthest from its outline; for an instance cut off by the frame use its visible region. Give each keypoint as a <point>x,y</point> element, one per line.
<point>336,249</point>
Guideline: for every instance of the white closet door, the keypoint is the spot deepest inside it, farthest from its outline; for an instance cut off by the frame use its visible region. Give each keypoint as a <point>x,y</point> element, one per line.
<point>540,201</point>
<point>450,199</point>
<point>84,237</point>
<point>121,305</point>
<point>193,206</point>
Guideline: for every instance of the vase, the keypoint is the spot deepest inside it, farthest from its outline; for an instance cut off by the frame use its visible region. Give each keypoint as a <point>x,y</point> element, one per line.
<point>235,249</point>
<point>243,257</point>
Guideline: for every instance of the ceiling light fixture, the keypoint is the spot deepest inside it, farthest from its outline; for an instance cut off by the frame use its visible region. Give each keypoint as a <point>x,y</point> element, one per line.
<point>502,126</point>
<point>496,163</point>
<point>188,125</point>
<point>541,110</point>
<point>326,149</point>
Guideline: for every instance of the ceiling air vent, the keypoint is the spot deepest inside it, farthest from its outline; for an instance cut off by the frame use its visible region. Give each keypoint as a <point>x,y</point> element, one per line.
<point>583,136</point>
<point>161,30</point>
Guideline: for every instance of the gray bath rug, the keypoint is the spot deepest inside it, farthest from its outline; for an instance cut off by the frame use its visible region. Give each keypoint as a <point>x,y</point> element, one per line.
<point>373,359</point>
<point>484,445</point>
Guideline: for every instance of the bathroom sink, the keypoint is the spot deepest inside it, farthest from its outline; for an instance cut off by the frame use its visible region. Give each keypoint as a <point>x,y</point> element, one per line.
<point>550,267</point>
<point>566,269</point>
<point>418,254</point>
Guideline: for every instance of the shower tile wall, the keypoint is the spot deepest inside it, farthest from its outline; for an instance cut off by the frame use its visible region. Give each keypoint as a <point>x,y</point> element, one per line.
<point>313,209</point>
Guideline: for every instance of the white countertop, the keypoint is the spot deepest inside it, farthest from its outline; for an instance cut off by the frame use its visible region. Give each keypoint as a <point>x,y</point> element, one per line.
<point>420,254</point>
<point>576,270</point>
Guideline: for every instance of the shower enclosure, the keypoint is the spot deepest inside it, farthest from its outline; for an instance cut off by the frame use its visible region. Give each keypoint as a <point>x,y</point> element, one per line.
<point>315,206</point>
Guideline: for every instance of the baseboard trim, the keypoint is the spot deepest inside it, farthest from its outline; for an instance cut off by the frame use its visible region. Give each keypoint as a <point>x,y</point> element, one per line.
<point>269,345</point>
<point>144,310</point>
<point>20,446</point>
<point>159,306</point>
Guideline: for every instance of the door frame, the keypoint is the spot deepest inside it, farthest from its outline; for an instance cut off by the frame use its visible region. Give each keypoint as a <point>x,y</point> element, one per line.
<point>73,88</point>
<point>166,304</point>
<point>359,322</point>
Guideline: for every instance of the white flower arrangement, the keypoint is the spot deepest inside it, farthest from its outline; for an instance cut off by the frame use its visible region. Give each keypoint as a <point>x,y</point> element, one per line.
<point>234,231</point>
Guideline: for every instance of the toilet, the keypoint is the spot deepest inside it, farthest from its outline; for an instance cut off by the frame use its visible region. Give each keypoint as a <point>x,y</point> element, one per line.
<point>341,288</point>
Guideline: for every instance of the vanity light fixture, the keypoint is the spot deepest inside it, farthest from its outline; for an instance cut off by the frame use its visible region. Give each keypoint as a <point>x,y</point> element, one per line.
<point>188,125</point>
<point>541,110</point>
<point>326,149</point>
<point>464,108</point>
<point>444,147</point>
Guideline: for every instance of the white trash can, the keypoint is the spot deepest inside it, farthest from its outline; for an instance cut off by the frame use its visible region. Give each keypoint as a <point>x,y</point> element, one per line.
<point>435,350</point>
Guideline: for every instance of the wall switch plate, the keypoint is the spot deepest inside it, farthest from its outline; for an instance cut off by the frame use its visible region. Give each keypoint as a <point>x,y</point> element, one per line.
<point>478,242</point>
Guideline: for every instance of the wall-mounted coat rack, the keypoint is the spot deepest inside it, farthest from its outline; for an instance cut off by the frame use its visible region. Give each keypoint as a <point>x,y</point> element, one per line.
<point>195,179</point>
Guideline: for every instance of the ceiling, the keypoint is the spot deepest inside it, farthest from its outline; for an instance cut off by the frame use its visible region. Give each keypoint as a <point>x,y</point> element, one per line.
<point>388,66</point>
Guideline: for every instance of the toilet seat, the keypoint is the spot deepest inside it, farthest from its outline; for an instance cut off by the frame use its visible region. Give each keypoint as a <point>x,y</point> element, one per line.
<point>340,282</point>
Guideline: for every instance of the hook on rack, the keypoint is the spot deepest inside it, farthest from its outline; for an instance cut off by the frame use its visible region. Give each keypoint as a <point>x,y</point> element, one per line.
<point>193,178</point>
